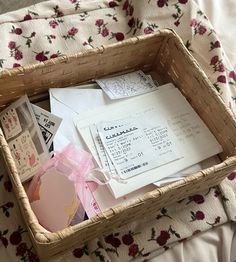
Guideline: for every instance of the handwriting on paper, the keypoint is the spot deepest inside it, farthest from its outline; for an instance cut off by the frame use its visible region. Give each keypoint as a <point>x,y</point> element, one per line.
<point>128,85</point>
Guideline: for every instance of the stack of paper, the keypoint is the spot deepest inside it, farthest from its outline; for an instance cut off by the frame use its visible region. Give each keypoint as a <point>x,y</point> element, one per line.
<point>163,109</point>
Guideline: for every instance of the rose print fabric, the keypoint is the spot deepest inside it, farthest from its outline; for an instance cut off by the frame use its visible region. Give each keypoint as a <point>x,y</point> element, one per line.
<point>55,28</point>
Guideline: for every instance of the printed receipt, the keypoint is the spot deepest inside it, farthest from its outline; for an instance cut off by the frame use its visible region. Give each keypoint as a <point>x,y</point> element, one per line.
<point>134,149</point>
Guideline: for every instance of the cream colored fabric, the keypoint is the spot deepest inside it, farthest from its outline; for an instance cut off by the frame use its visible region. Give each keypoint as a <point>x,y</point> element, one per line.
<point>57,27</point>
<point>222,15</point>
<point>215,245</point>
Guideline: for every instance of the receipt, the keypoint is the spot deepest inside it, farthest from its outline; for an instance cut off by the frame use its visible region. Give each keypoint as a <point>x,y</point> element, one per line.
<point>128,85</point>
<point>134,149</point>
<point>105,160</point>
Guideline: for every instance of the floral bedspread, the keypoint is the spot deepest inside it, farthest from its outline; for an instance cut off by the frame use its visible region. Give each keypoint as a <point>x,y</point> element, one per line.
<point>55,28</point>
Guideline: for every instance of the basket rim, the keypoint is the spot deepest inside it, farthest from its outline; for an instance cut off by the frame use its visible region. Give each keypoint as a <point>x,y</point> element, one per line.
<point>67,58</point>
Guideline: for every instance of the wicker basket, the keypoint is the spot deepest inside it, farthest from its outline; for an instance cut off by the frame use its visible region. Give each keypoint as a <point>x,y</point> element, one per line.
<point>164,56</point>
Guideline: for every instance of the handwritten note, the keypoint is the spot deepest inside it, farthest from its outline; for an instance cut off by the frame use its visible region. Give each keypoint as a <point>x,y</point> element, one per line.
<point>128,85</point>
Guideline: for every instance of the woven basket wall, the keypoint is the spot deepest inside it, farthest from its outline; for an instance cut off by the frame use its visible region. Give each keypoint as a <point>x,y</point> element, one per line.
<point>164,56</point>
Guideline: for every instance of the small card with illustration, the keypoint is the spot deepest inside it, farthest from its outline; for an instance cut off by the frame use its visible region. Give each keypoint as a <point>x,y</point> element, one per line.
<point>25,154</point>
<point>10,123</point>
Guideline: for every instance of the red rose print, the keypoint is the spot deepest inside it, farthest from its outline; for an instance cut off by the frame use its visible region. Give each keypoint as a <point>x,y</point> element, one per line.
<point>16,65</point>
<point>177,23</point>
<point>199,215</point>
<point>217,44</point>
<point>216,193</point>
<point>18,31</point>
<point>8,184</point>
<point>214,60</point>
<point>198,199</point>
<point>21,249</point>
<point>202,30</point>
<point>148,30</point>
<point>196,232</point>
<point>73,1</point>
<point>9,204</point>
<point>99,22</point>
<point>193,22</point>
<point>126,5</point>
<point>73,31</point>
<point>54,56</point>
<point>217,220</point>
<point>53,24</point>
<point>15,238</point>
<point>33,34</point>
<point>112,4</point>
<point>221,79</point>
<point>119,36</point>
<point>133,250</point>
<point>161,3</point>
<point>232,176</point>
<point>232,75</point>
<point>78,252</point>
<point>131,22</point>
<point>11,45</point>
<point>115,242</point>
<point>27,17</point>
<point>18,55</point>
<point>33,258</point>
<point>183,1</point>
<point>127,239</point>
<point>221,68</point>
<point>163,237</point>
<point>105,32</point>
<point>4,241</point>
<point>131,10</point>
<point>41,57</point>
<point>109,238</point>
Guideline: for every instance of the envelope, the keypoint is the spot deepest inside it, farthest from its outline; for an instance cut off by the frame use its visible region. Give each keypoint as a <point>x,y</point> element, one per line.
<point>68,103</point>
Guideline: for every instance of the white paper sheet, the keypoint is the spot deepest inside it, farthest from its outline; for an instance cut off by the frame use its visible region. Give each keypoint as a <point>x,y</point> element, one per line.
<point>188,171</point>
<point>195,142</point>
<point>67,103</point>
